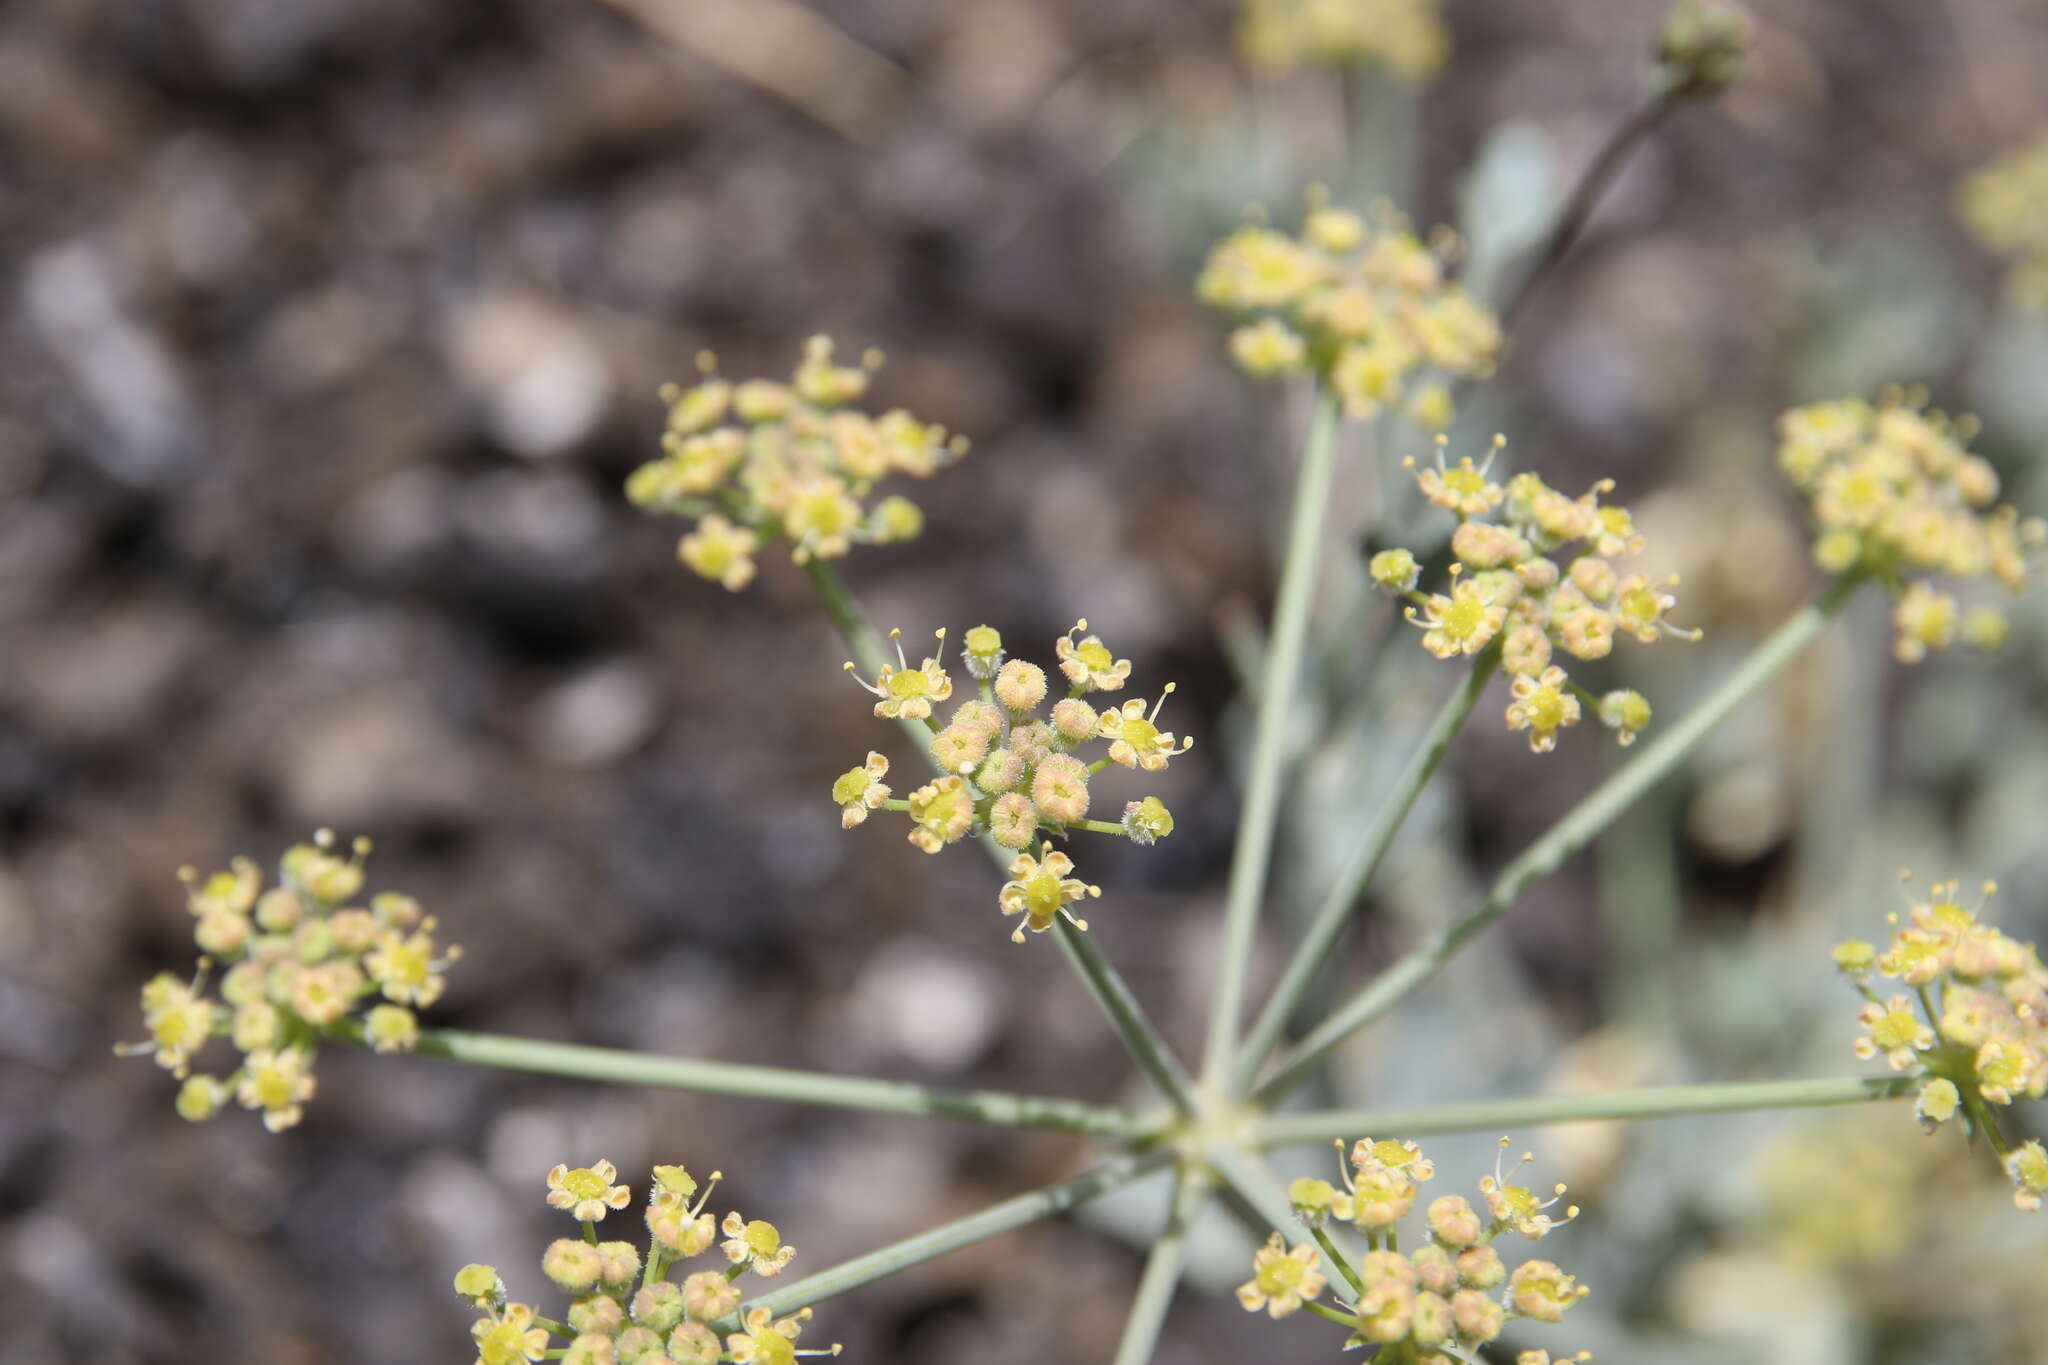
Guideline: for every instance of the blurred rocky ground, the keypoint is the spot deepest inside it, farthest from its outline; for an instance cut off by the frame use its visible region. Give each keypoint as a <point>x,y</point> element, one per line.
<point>332,329</point>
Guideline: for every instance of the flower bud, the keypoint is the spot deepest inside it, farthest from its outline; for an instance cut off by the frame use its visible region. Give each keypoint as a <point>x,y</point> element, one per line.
<point>1020,686</point>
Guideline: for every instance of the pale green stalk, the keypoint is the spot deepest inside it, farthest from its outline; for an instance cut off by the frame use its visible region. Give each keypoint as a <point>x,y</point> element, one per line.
<point>1142,1040</point>
<point>1275,699</point>
<point>1579,827</point>
<point>1661,1102</point>
<point>1140,1036</point>
<point>615,1066</point>
<point>1162,1271</point>
<point>1110,1176</point>
<point>1313,953</point>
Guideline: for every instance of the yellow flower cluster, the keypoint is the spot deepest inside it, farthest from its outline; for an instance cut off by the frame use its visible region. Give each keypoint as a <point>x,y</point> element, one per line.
<point>1010,771</point>
<point>1970,1020</point>
<point>762,460</point>
<point>2005,204</point>
<point>1364,306</point>
<point>300,961</point>
<point>1435,1304</point>
<point>1510,584</point>
<point>1896,493</point>
<point>1405,36</point>
<point>624,1310</point>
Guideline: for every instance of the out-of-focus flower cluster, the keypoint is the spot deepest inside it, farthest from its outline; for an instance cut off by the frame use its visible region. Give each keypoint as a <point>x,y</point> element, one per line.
<point>2005,204</point>
<point>1363,305</point>
<point>625,1310</point>
<point>761,460</point>
<point>300,961</point>
<point>1407,37</point>
<point>1436,1303</point>
<point>1704,45</point>
<point>1511,582</point>
<point>1897,494</point>
<point>1969,1019</point>
<point>1008,770</point>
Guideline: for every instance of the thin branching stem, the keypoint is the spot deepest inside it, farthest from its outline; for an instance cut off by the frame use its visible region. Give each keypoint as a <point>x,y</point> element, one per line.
<point>1577,828</point>
<point>1254,848</point>
<point>1660,1102</point>
<point>1313,952</point>
<point>1585,196</point>
<point>993,1221</point>
<point>620,1067</point>
<point>1162,1270</point>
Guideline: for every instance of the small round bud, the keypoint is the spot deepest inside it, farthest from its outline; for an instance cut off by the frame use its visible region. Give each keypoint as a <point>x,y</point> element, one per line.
<point>692,1343</point>
<point>573,1264</point>
<point>600,1314</point>
<point>709,1296</point>
<point>591,1348</point>
<point>638,1346</point>
<point>1480,1267</point>
<point>200,1098</point>
<point>958,750</point>
<point>1476,1318</point>
<point>391,1028</point>
<point>1031,741</point>
<point>1020,686</point>
<point>1060,788</point>
<point>978,715</point>
<point>1073,720</point>
<point>984,649</point>
<point>1013,820</point>
<point>279,909</point>
<point>620,1263</point>
<point>659,1306</point>
<point>1454,1222</point>
<point>896,518</point>
<point>1000,772</point>
<point>1394,571</point>
<point>1433,1269</point>
<point>1704,45</point>
<point>1855,958</point>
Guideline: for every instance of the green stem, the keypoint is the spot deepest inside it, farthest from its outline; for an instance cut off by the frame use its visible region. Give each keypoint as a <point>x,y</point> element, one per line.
<point>1313,953</point>
<point>1162,1271</point>
<point>1337,1258</point>
<point>1660,1102</point>
<point>1578,827</point>
<point>990,1222</point>
<point>620,1067</point>
<point>1276,698</point>
<point>1245,1175</point>
<point>1098,827</point>
<point>1585,195</point>
<point>1147,1046</point>
<point>1980,1114</point>
<point>1144,1042</point>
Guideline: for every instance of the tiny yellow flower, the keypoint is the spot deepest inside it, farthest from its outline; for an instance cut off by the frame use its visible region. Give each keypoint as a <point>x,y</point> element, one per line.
<point>908,693</point>
<point>1088,664</point>
<point>1281,1279</point>
<point>279,1083</point>
<point>1895,1030</point>
<point>1462,623</point>
<point>2028,1167</point>
<point>1136,741</point>
<point>721,552</point>
<point>1542,706</point>
<point>510,1338</point>
<point>587,1192</point>
<point>1041,888</point>
<point>941,812</point>
<point>860,790</point>
<point>756,1245</point>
